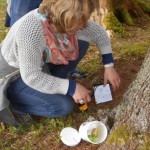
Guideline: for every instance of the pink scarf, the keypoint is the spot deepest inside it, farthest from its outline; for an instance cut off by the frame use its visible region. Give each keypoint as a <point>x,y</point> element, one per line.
<point>62,48</point>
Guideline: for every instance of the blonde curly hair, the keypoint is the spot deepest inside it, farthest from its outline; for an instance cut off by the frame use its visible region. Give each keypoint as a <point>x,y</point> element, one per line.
<point>66,14</point>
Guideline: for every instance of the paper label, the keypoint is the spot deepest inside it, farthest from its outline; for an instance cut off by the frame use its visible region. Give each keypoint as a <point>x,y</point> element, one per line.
<point>102,94</point>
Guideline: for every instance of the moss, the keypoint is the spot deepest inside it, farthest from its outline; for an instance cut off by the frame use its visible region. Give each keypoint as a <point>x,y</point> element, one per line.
<point>124,16</point>
<point>92,60</point>
<point>110,5</point>
<point>146,144</point>
<point>3,29</point>
<point>144,5</point>
<point>120,136</point>
<point>112,23</point>
<point>132,50</point>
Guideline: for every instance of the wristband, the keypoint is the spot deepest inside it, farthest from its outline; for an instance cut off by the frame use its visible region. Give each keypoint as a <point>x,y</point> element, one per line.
<point>109,65</point>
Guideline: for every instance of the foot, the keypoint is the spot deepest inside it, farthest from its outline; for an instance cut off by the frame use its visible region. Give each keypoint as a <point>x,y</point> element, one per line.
<point>76,74</point>
<point>21,117</point>
<point>7,117</point>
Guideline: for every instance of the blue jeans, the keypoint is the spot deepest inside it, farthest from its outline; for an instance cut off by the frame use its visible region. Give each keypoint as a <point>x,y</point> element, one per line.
<point>19,8</point>
<point>25,99</point>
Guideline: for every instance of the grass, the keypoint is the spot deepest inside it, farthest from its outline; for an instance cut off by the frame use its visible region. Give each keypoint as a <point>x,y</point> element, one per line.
<point>3,29</point>
<point>28,137</point>
<point>39,134</point>
<point>131,50</point>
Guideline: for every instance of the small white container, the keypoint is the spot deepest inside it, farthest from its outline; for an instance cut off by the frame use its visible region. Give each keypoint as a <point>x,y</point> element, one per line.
<point>71,137</point>
<point>86,128</point>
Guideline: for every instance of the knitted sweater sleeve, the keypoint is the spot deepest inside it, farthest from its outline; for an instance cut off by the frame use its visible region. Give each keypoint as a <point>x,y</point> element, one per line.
<point>94,33</point>
<point>30,41</point>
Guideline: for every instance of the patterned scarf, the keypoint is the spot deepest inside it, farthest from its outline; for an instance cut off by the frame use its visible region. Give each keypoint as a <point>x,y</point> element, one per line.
<point>60,47</point>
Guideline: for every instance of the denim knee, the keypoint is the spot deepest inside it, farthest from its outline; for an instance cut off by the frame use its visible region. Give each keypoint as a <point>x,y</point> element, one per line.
<point>28,100</point>
<point>63,108</point>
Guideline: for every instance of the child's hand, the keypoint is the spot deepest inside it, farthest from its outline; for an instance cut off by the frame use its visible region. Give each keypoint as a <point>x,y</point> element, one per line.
<point>112,76</point>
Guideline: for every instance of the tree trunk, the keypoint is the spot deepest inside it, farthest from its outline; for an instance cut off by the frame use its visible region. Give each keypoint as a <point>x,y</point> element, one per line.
<point>115,11</point>
<point>101,11</point>
<point>131,129</point>
<point>130,122</point>
<point>135,109</point>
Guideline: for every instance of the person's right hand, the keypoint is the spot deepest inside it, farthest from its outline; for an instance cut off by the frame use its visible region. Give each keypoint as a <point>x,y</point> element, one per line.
<point>82,93</point>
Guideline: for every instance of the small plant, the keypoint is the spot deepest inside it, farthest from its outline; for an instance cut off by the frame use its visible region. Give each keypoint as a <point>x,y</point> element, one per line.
<point>2,127</point>
<point>92,138</point>
<point>28,146</point>
<point>13,131</point>
<point>38,129</point>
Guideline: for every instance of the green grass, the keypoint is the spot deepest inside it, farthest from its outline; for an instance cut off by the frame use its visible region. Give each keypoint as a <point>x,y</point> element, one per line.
<point>133,44</point>
<point>92,60</point>
<point>131,50</point>
<point>3,29</point>
<point>35,131</point>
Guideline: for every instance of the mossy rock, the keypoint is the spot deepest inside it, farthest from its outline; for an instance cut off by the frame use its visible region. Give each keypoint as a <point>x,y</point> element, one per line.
<point>112,23</point>
<point>145,6</point>
<point>120,136</point>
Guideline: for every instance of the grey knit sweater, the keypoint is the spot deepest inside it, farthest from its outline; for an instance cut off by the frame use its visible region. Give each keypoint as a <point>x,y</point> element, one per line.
<point>24,45</point>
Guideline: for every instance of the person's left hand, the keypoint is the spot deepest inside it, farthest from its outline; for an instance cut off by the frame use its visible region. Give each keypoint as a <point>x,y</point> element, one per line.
<point>112,76</point>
